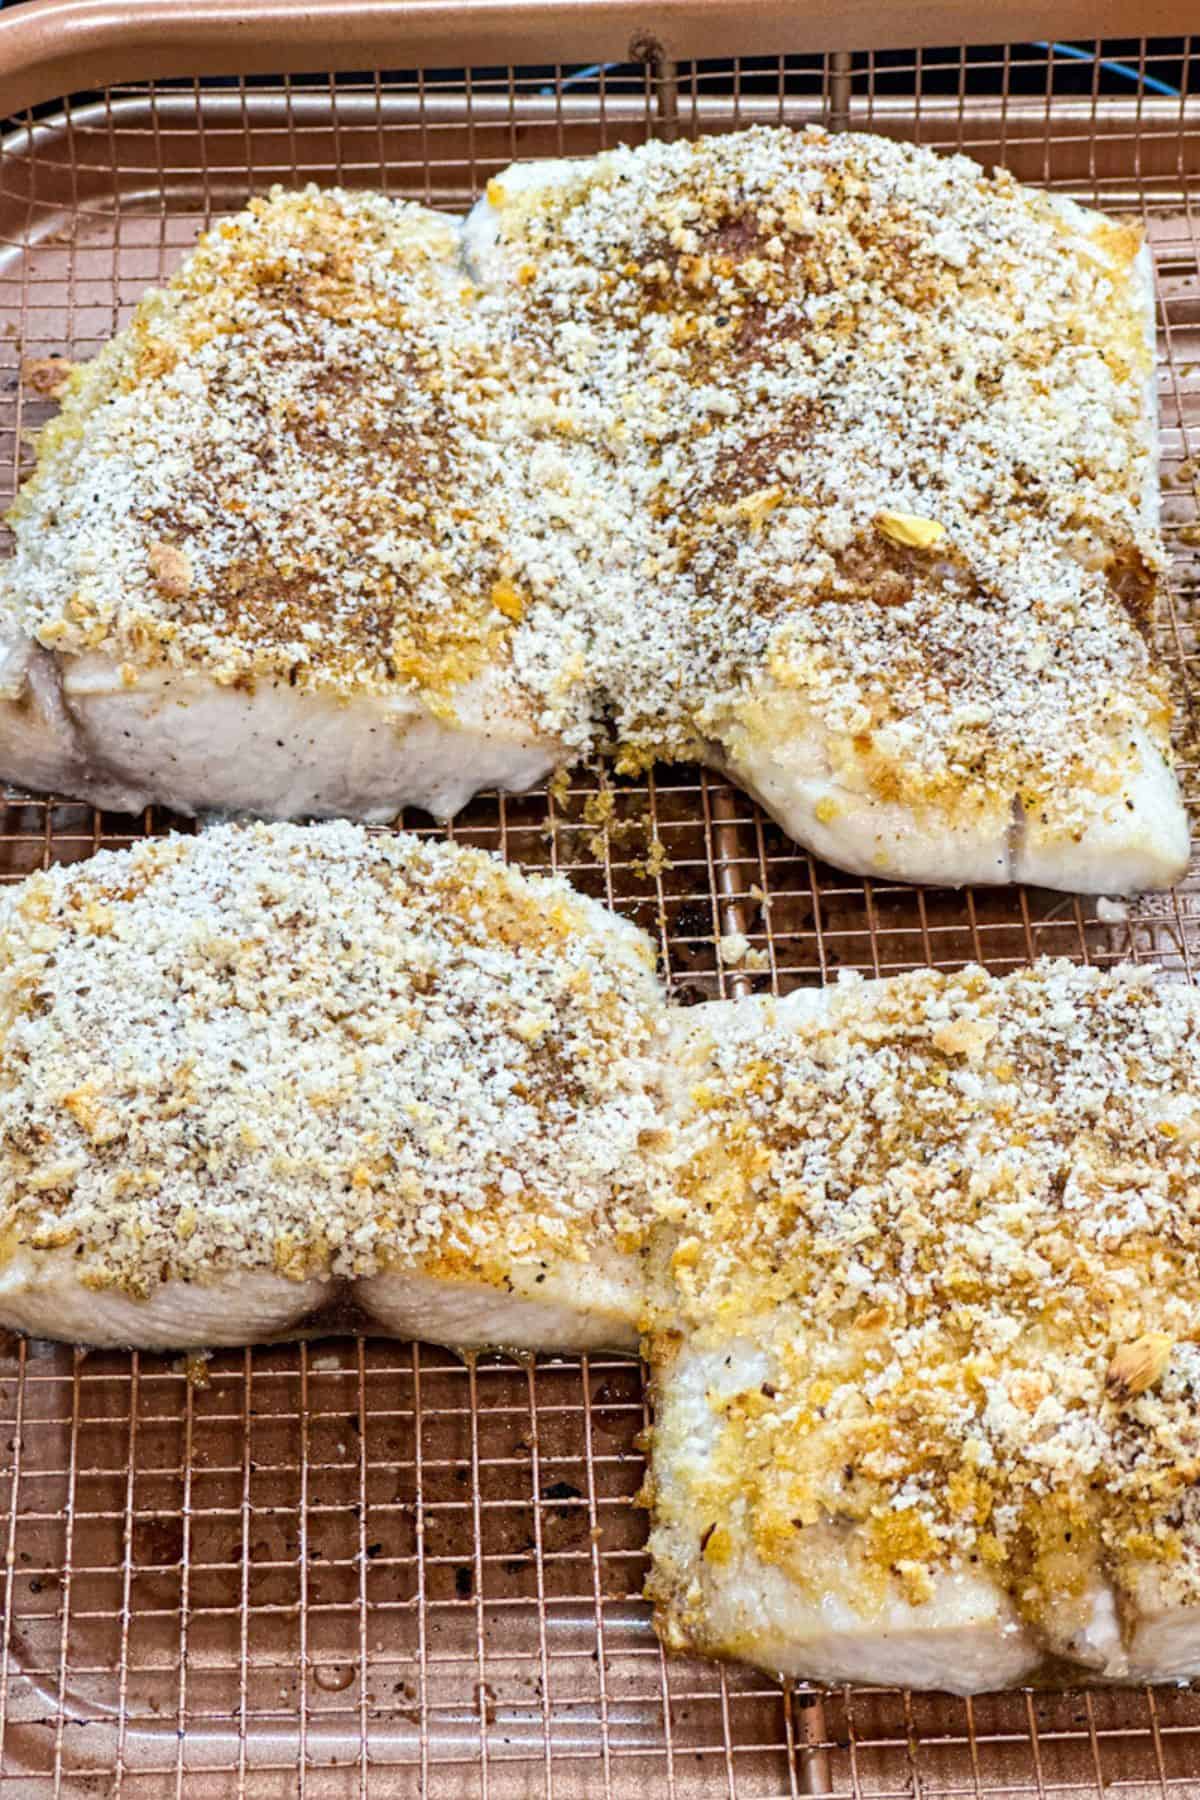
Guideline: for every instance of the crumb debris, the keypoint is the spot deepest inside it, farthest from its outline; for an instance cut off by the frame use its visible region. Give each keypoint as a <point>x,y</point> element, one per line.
<point>656,862</point>
<point>48,376</point>
<point>196,1368</point>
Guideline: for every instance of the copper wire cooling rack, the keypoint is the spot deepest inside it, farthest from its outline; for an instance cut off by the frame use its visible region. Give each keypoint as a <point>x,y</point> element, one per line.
<point>356,1567</point>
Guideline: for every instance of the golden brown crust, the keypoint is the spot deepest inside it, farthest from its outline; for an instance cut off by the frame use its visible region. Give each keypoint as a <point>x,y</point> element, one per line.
<point>308,506</point>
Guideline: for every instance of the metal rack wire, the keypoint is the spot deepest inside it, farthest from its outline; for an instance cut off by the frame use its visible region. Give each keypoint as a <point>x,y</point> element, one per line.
<point>355,1567</point>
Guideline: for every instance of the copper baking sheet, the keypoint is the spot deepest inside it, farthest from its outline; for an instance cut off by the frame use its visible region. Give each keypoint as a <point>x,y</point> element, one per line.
<point>356,1567</point>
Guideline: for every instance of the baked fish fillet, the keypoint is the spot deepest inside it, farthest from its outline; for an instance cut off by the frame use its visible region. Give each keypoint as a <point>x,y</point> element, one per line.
<point>244,1069</point>
<point>260,566</point>
<point>888,427</point>
<point>927,1399</point>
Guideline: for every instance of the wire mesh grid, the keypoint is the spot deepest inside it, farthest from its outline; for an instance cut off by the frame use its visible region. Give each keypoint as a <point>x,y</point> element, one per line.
<point>351,1566</point>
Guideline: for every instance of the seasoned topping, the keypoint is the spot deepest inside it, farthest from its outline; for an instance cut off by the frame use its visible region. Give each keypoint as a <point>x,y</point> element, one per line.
<point>265,474</point>
<point>720,438</point>
<point>960,1216</point>
<point>317,1049</point>
<point>888,422</point>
